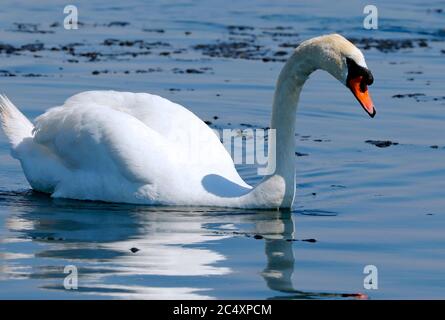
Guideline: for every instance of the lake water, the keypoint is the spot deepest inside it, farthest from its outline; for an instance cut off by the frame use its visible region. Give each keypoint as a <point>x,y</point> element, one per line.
<point>361,203</point>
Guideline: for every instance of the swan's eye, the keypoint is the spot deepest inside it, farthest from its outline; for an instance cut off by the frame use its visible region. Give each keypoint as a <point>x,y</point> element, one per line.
<point>363,85</point>
<point>367,76</point>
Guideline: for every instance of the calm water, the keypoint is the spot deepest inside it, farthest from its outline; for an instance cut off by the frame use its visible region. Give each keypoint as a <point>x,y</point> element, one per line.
<point>363,204</point>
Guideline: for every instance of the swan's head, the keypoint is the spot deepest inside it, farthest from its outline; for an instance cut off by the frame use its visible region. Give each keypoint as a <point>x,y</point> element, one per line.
<point>336,55</point>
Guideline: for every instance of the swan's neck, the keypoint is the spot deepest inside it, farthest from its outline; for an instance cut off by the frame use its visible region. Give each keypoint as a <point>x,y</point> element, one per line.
<point>287,93</point>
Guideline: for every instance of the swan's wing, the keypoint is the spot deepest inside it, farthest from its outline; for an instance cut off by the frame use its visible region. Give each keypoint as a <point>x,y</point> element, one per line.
<point>160,114</point>
<point>100,139</point>
<point>142,136</point>
<point>189,138</point>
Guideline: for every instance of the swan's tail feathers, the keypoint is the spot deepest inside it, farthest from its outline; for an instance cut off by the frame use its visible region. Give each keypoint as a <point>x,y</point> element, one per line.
<point>15,125</point>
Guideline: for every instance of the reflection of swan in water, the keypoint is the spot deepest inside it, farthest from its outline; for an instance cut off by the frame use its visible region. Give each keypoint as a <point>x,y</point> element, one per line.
<point>97,238</point>
<point>279,253</point>
<point>173,246</point>
<point>279,235</point>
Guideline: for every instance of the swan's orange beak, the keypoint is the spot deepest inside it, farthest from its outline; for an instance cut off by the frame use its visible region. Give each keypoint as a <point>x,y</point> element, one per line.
<point>360,91</point>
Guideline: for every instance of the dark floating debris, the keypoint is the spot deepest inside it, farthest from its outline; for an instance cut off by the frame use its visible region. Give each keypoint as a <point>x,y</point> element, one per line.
<point>149,70</point>
<point>31,47</point>
<point>419,97</point>
<point>239,28</point>
<point>33,75</point>
<point>118,24</point>
<point>388,45</point>
<point>244,44</point>
<point>289,45</point>
<point>434,147</point>
<point>280,53</point>
<point>309,240</point>
<point>30,28</point>
<point>141,44</point>
<point>275,34</point>
<point>258,237</point>
<point>7,48</point>
<point>92,56</point>
<point>154,30</point>
<point>138,71</point>
<point>435,10</point>
<point>408,95</point>
<point>299,154</point>
<point>48,238</point>
<point>382,143</point>
<point>235,50</point>
<point>6,73</point>
<point>414,72</point>
<point>134,250</point>
<point>192,70</point>
<point>304,240</point>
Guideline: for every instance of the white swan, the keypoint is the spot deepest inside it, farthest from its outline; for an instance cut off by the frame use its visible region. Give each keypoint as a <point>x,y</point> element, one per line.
<point>134,147</point>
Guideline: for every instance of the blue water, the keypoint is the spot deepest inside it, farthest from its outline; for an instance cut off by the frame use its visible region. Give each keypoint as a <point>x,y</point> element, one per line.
<point>364,205</point>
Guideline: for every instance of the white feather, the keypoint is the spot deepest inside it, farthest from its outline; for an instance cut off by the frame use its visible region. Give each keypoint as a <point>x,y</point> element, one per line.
<point>15,125</point>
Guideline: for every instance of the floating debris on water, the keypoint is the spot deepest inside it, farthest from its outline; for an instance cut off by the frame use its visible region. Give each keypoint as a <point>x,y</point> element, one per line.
<point>382,143</point>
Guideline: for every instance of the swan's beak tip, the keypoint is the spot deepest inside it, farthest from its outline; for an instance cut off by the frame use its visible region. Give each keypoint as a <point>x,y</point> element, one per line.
<point>361,93</point>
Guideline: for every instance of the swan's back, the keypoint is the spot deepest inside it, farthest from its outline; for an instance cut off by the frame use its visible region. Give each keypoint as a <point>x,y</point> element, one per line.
<point>160,114</point>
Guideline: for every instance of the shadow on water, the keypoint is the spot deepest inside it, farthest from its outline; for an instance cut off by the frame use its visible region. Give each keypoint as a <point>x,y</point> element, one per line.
<point>113,245</point>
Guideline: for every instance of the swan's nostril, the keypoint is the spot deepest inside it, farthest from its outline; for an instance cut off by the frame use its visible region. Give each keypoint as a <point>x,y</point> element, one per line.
<point>363,86</point>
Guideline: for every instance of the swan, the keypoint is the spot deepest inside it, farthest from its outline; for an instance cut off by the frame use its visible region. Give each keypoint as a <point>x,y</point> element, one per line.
<point>132,147</point>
